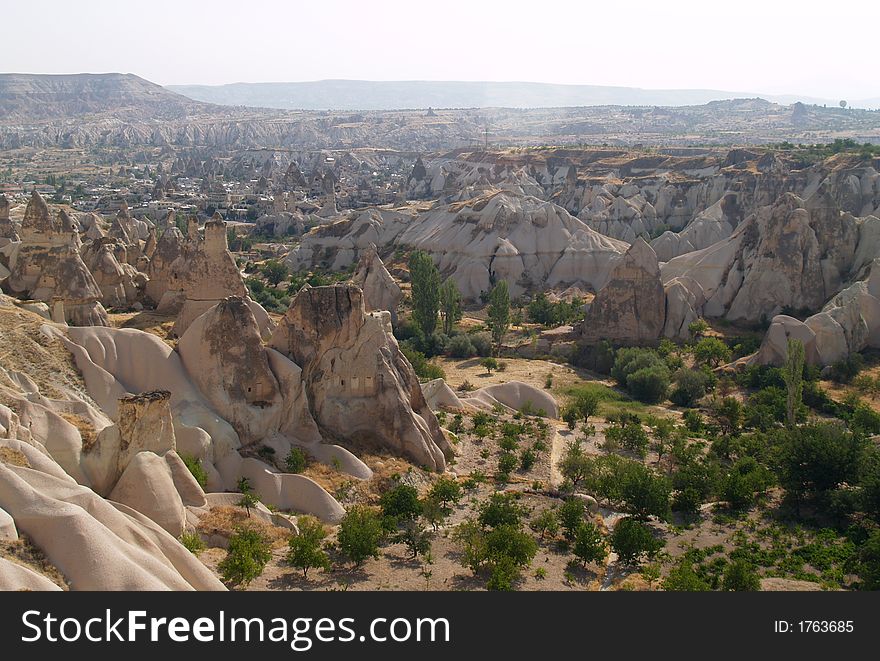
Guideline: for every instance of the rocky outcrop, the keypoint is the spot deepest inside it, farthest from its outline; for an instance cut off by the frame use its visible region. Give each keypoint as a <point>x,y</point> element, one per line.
<point>848,323</point>
<point>793,254</point>
<point>8,231</point>
<point>631,307</point>
<point>46,266</point>
<point>381,292</point>
<point>120,283</point>
<point>161,270</point>
<point>207,275</point>
<point>360,387</point>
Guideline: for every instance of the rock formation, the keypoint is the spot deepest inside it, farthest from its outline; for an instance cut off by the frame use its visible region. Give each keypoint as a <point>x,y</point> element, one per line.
<point>7,229</point>
<point>121,284</point>
<point>631,307</point>
<point>793,254</point>
<point>381,292</point>
<point>47,266</point>
<point>207,275</point>
<point>360,386</point>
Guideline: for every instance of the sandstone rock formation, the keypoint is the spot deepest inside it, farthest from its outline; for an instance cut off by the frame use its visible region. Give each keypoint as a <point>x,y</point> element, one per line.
<point>359,385</point>
<point>381,292</point>
<point>46,266</point>
<point>207,275</point>
<point>793,254</point>
<point>631,307</point>
<point>848,323</point>
<point>121,284</point>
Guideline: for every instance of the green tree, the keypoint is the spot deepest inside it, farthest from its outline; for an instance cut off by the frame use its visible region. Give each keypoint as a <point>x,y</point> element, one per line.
<point>501,509</point>
<point>425,280</point>
<point>711,351</point>
<point>589,544</point>
<point>446,491</point>
<point>415,538</point>
<point>793,375</point>
<point>740,576</point>
<point>489,363</point>
<point>400,503</point>
<point>869,562</point>
<point>275,271</point>
<point>499,312</point>
<point>246,557</point>
<point>305,548</point>
<point>575,465</point>
<point>450,305</point>
<point>360,532</point>
<point>817,458</point>
<point>546,523</point>
<point>249,498</point>
<point>683,578</point>
<point>632,540</point>
<point>571,516</point>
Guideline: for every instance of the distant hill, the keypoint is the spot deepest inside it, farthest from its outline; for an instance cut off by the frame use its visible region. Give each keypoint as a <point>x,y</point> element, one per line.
<point>371,95</point>
<point>38,97</point>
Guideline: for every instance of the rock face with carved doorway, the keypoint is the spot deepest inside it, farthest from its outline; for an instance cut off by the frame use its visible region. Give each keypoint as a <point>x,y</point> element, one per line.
<point>360,386</point>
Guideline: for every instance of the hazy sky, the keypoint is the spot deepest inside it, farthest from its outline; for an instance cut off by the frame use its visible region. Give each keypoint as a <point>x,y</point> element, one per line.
<point>766,46</point>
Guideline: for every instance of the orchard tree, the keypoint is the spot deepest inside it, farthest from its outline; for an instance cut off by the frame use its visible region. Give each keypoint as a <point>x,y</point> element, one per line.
<point>360,532</point>
<point>246,557</point>
<point>589,544</point>
<point>306,550</point>
<point>632,540</point>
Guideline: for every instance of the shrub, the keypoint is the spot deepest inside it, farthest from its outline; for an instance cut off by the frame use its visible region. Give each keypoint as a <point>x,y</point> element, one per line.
<point>546,523</point>
<point>506,463</point>
<point>192,542</point>
<point>195,467</point>
<point>527,459</point>
<point>740,576</point>
<point>632,540</point>
<point>424,370</point>
<point>683,578</point>
<point>461,346</point>
<point>482,343</point>
<point>846,369</point>
<point>305,548</point>
<point>690,386</point>
<point>360,532</point>
<point>627,432</point>
<point>246,557</point>
<point>296,460</point>
<point>693,421</point>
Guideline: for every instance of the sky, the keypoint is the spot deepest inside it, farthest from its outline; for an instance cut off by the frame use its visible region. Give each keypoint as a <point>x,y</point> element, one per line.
<point>762,46</point>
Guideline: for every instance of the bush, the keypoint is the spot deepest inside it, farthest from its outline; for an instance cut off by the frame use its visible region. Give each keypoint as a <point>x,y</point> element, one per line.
<point>527,459</point>
<point>846,369</point>
<point>746,479</point>
<point>489,363</point>
<point>305,548</point>
<point>195,467</point>
<point>632,540</point>
<point>740,576</point>
<point>296,460</point>
<point>690,386</point>
<point>482,344</point>
<point>246,557</point>
<point>461,346</point>
<point>506,463</point>
<point>649,385</point>
<point>693,421</point>
<point>683,578</point>
<point>424,370</point>
<point>360,532</point>
<point>627,432</point>
<point>192,542</point>
<point>400,503</point>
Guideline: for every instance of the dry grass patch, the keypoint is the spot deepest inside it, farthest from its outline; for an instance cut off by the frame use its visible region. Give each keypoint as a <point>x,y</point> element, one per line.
<point>23,552</point>
<point>224,520</point>
<point>14,458</point>
<point>85,428</point>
